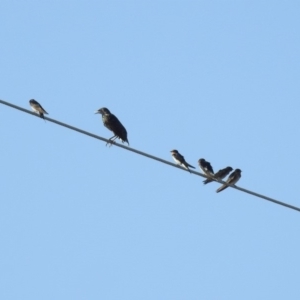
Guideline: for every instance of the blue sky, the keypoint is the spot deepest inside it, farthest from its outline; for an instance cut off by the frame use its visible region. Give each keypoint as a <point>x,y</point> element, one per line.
<point>213,79</point>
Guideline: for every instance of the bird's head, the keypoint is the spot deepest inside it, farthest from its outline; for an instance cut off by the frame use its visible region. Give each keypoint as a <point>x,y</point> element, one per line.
<point>229,169</point>
<point>174,151</point>
<point>103,111</point>
<point>32,101</point>
<point>201,161</point>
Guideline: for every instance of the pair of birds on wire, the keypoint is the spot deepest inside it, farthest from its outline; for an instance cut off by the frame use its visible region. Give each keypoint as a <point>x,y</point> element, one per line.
<point>111,122</point>
<point>207,169</point>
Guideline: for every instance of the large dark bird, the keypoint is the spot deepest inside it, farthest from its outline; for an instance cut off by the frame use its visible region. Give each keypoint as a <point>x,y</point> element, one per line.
<point>111,122</point>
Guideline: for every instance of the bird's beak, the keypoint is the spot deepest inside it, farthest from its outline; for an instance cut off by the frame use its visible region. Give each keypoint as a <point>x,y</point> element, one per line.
<point>97,112</point>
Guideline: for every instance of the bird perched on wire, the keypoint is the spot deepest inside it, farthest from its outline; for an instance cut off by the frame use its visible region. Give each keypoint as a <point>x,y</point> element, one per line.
<point>221,174</point>
<point>37,108</point>
<point>232,180</point>
<point>206,167</point>
<point>179,159</point>
<point>111,122</point>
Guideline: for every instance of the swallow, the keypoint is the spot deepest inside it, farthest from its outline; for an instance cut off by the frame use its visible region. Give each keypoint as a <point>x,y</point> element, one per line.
<point>112,123</point>
<point>206,167</point>
<point>179,159</point>
<point>221,174</point>
<point>232,180</point>
<point>37,108</point>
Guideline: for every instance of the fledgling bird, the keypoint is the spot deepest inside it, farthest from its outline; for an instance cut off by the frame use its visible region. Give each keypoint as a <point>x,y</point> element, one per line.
<point>206,167</point>
<point>111,122</point>
<point>179,159</point>
<point>232,180</point>
<point>221,174</point>
<point>37,108</point>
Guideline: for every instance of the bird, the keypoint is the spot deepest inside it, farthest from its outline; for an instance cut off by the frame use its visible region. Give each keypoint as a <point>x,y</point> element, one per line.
<point>111,122</point>
<point>37,108</point>
<point>221,174</point>
<point>206,167</point>
<point>179,159</point>
<point>232,180</point>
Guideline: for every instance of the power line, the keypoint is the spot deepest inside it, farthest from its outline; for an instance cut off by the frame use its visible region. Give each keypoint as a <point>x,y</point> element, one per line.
<point>147,155</point>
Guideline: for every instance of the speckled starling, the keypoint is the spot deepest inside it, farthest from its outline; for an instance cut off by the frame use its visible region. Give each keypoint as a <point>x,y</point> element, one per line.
<point>232,180</point>
<point>37,108</point>
<point>111,122</point>
<point>179,159</point>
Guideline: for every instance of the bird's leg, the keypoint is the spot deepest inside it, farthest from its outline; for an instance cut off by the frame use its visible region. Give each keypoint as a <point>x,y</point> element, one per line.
<point>110,140</point>
<point>42,116</point>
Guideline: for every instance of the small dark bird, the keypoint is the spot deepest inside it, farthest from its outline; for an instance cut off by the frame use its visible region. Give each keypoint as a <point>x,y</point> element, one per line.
<point>37,108</point>
<point>232,180</point>
<point>179,159</point>
<point>111,122</point>
<point>221,174</point>
<point>206,167</point>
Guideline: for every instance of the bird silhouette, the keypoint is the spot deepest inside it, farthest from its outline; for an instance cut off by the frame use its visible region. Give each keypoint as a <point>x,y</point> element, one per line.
<point>179,159</point>
<point>111,122</point>
<point>221,174</point>
<point>232,180</point>
<point>37,108</point>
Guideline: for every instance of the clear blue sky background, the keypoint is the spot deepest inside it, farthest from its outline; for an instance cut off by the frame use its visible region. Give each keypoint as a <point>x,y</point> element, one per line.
<point>213,79</point>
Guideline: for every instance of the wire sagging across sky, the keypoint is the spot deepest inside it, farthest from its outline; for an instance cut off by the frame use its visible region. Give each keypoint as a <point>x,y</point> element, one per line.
<point>147,155</point>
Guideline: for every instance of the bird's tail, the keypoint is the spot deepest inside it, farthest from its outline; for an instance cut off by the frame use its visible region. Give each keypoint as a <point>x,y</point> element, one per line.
<point>207,181</point>
<point>191,166</point>
<point>223,187</point>
<point>124,141</point>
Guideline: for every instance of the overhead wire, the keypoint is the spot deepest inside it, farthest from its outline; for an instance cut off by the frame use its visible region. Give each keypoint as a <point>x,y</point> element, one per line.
<point>149,155</point>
